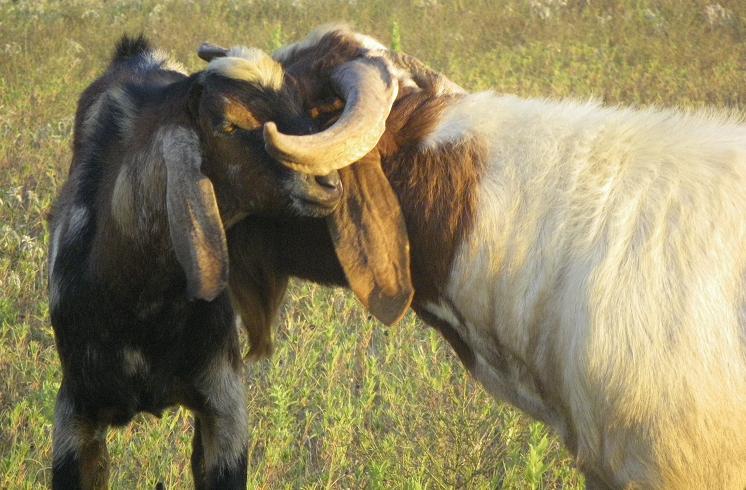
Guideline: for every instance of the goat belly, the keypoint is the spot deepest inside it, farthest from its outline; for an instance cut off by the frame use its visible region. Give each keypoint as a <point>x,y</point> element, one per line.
<point>125,365</point>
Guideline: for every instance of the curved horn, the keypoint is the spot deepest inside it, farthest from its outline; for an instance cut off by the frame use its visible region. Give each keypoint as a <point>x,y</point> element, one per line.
<point>369,89</point>
<point>424,76</point>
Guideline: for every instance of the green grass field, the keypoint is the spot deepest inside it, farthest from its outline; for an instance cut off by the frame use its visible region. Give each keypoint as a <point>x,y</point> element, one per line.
<point>344,402</point>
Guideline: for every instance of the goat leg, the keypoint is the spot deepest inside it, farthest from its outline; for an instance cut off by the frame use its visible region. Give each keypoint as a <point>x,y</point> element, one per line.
<point>81,460</point>
<point>220,443</point>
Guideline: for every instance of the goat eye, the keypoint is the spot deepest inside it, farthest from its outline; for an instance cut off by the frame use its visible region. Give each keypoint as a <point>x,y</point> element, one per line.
<point>228,128</point>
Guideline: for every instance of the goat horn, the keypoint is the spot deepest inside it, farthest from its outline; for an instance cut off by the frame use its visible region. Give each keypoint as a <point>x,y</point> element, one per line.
<point>369,89</point>
<point>208,51</point>
<point>424,76</point>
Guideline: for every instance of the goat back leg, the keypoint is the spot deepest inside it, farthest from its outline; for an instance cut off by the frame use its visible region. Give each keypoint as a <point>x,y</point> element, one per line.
<point>198,457</point>
<point>220,444</point>
<point>80,457</point>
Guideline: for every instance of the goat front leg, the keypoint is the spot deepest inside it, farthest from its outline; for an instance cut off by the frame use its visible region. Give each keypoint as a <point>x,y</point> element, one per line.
<point>220,444</point>
<point>80,458</point>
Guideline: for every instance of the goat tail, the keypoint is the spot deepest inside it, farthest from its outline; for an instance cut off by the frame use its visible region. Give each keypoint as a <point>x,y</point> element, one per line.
<point>131,47</point>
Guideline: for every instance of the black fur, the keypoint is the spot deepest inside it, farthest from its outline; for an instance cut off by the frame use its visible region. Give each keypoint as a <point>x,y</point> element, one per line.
<point>66,472</point>
<point>129,338</point>
<point>129,47</point>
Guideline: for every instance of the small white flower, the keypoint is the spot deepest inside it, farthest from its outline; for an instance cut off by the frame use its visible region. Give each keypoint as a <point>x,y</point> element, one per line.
<point>544,9</point>
<point>90,14</point>
<point>155,13</point>
<point>12,48</point>
<point>717,15</point>
<point>654,17</point>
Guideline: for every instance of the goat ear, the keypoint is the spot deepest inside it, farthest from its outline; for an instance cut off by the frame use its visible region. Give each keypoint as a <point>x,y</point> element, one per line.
<point>208,51</point>
<point>371,242</point>
<point>193,218</point>
<point>257,287</point>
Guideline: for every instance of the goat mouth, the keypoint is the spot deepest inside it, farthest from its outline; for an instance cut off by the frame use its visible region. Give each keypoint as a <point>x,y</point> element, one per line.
<point>316,208</point>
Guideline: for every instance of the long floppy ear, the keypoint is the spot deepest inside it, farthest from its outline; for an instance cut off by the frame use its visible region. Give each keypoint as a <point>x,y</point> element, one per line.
<point>257,286</point>
<point>371,242</point>
<point>193,218</point>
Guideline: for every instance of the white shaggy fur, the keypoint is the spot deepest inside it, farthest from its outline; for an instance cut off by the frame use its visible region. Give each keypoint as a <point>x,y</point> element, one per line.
<point>225,432</point>
<point>158,59</point>
<point>602,289</point>
<point>66,437</point>
<point>607,267</point>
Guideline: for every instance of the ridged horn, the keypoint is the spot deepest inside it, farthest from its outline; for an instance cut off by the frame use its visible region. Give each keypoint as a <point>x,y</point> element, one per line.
<point>369,91</point>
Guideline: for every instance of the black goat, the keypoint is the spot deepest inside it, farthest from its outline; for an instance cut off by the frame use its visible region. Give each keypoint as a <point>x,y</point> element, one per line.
<point>162,164</point>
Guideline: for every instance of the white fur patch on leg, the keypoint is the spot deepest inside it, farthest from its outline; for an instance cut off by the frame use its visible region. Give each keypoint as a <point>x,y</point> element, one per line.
<point>225,427</point>
<point>67,432</point>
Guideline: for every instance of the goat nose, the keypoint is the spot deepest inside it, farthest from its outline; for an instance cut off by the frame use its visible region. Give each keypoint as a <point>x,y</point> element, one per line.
<point>330,181</point>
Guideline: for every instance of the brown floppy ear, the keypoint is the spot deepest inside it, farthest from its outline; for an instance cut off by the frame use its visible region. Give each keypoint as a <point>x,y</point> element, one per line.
<point>257,288</point>
<point>370,238</point>
<point>193,218</point>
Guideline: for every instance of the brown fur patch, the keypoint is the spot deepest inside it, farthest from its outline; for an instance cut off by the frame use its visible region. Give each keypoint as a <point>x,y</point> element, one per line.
<point>238,114</point>
<point>371,241</point>
<point>94,462</point>
<point>436,187</point>
<point>313,65</point>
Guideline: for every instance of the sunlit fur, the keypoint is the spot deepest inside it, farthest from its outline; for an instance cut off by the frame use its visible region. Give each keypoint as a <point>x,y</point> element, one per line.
<point>608,258</point>
<point>601,287</point>
<point>250,65</point>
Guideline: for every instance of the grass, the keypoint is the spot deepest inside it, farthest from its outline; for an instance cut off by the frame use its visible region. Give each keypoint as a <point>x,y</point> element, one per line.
<point>344,402</point>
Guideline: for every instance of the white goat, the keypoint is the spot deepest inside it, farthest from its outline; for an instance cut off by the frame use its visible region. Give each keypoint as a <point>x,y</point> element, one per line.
<point>587,263</point>
<point>608,259</point>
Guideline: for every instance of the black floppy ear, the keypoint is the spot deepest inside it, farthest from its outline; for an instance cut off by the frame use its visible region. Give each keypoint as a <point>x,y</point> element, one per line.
<point>257,288</point>
<point>208,51</point>
<point>371,241</point>
<point>193,218</point>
